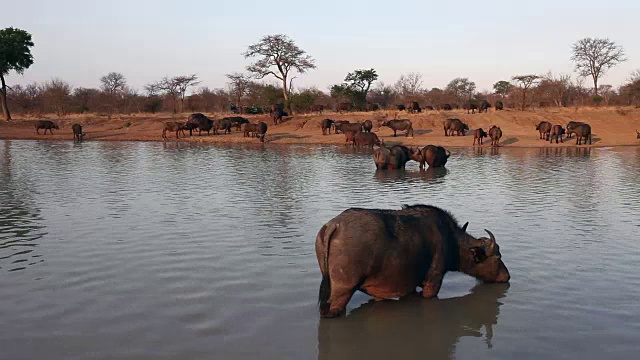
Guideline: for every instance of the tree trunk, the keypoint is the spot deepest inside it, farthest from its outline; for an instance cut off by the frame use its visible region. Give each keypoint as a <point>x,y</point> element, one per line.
<point>595,86</point>
<point>524,99</point>
<point>3,100</point>
<point>285,92</point>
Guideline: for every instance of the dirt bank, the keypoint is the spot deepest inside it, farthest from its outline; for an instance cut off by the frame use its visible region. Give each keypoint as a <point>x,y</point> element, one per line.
<point>611,127</point>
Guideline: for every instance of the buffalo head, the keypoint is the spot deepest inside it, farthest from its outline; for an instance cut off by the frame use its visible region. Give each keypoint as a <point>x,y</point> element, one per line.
<point>481,258</point>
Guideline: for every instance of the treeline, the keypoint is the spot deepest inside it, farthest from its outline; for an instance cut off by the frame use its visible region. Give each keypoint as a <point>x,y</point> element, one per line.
<point>248,96</point>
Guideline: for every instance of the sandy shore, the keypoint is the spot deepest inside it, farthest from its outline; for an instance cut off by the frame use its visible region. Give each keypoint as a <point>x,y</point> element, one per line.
<point>611,127</point>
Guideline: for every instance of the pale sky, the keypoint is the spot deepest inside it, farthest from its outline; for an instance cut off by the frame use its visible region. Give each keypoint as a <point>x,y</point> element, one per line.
<point>486,41</point>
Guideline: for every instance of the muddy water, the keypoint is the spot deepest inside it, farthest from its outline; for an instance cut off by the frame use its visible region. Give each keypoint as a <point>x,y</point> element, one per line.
<point>177,251</point>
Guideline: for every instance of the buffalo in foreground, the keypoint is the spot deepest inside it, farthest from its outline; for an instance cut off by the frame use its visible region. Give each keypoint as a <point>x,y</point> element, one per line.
<point>396,125</point>
<point>46,125</point>
<point>434,156</point>
<point>571,125</point>
<point>367,125</point>
<point>556,133</point>
<point>582,131</point>
<point>326,126</point>
<point>261,130</point>
<point>495,133</point>
<point>391,159</point>
<point>544,127</point>
<point>171,126</point>
<point>388,253</point>
<point>248,130</point>
<point>478,135</point>
<point>455,125</point>
<point>78,135</point>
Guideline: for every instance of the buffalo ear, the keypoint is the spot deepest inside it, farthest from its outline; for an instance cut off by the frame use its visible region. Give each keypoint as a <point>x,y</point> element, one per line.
<point>464,227</point>
<point>478,254</point>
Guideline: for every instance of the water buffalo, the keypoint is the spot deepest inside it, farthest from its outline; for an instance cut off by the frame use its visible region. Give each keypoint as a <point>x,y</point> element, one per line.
<point>275,107</point>
<point>413,107</point>
<point>317,109</point>
<point>499,105</point>
<point>367,125</point>
<point>191,126</point>
<point>545,129</point>
<point>571,125</point>
<point>344,106</point>
<point>400,107</point>
<point>261,130</point>
<point>77,132</point>
<point>447,107</point>
<point>373,107</point>
<point>350,136</point>
<point>195,120</point>
<point>495,133</point>
<point>391,159</point>
<point>337,126</point>
<point>434,156</point>
<point>388,253</point>
<point>556,132</point>
<point>172,126</point>
<point>484,106</point>
<point>46,125</point>
<point>582,131</point>
<point>403,124</point>
<point>326,126</point>
<point>353,127</point>
<point>455,125</point>
<point>277,116</point>
<point>638,133</point>
<point>478,135</point>
<point>237,121</point>
<point>428,107</point>
<point>470,107</point>
<point>248,129</point>
<point>367,139</point>
<point>206,125</point>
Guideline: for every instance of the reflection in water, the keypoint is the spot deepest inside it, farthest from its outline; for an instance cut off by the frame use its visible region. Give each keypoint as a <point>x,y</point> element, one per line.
<point>400,175</point>
<point>414,327</point>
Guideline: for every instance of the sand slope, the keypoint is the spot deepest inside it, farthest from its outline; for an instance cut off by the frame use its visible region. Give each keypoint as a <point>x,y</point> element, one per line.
<point>611,127</point>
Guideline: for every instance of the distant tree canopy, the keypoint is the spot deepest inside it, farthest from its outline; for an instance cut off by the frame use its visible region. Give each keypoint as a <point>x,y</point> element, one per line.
<point>356,87</point>
<point>462,88</point>
<point>593,57</point>
<point>278,55</point>
<point>15,54</point>
<point>524,83</point>
<point>502,87</point>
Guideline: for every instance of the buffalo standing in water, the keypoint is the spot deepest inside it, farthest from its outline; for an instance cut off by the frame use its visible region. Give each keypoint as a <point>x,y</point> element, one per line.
<point>396,125</point>
<point>545,129</point>
<point>261,130</point>
<point>582,131</point>
<point>367,139</point>
<point>77,132</point>
<point>391,159</point>
<point>556,132</point>
<point>434,156</point>
<point>478,135</point>
<point>46,125</point>
<point>367,125</point>
<point>495,133</point>
<point>388,253</point>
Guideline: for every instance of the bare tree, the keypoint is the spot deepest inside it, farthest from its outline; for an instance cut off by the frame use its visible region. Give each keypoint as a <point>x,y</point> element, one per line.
<point>113,83</point>
<point>170,88</point>
<point>409,84</point>
<point>606,91</point>
<point>593,57</point>
<point>57,93</point>
<point>239,85</point>
<point>278,56</point>
<point>524,83</point>
<point>182,84</point>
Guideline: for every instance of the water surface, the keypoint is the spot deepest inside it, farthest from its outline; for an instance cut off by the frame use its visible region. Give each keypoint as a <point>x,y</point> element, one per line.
<point>172,250</point>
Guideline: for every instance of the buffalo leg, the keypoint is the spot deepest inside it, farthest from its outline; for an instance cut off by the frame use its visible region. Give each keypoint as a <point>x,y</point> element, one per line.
<point>433,281</point>
<point>394,133</point>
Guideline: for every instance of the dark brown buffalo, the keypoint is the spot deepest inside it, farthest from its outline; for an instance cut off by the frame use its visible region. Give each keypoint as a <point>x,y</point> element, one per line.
<point>556,133</point>
<point>317,108</point>
<point>173,126</point>
<point>261,130</point>
<point>206,125</point>
<point>470,107</point>
<point>367,139</point>
<point>545,129</point>
<point>77,132</point>
<point>582,131</point>
<point>237,121</point>
<point>391,159</point>
<point>570,126</point>
<point>402,124</point>
<point>434,156</point>
<point>248,130</point>
<point>190,126</point>
<point>46,125</point>
<point>344,106</point>
<point>277,116</point>
<point>353,127</point>
<point>414,107</point>
<point>350,136</point>
<point>326,126</point>
<point>499,105</point>
<point>274,107</point>
<point>337,126</point>
<point>194,121</point>
<point>495,133</point>
<point>478,135</point>
<point>484,106</point>
<point>455,125</point>
<point>400,107</point>
<point>367,125</point>
<point>373,107</point>
<point>447,107</point>
<point>388,253</point>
